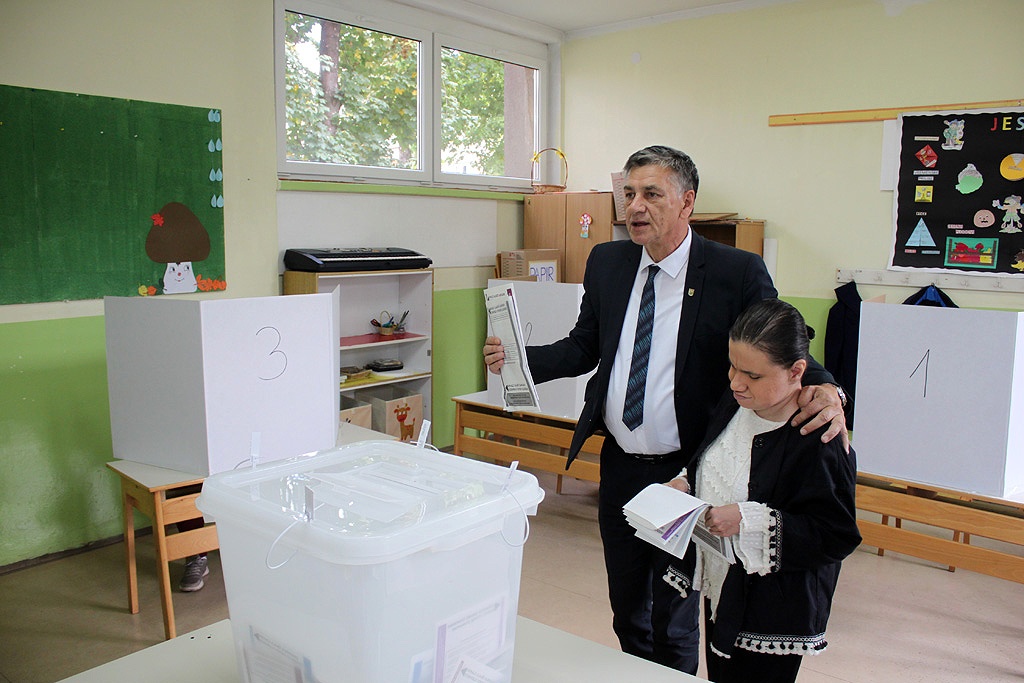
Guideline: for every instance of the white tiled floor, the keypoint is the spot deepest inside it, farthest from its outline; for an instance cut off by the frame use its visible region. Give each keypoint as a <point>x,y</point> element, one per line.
<point>895,618</point>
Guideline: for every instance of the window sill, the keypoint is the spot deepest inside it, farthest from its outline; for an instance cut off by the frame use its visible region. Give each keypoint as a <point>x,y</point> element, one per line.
<point>416,190</point>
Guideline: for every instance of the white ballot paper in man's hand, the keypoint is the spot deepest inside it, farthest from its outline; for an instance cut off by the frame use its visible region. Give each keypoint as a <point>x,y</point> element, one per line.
<point>668,518</point>
<point>518,392</point>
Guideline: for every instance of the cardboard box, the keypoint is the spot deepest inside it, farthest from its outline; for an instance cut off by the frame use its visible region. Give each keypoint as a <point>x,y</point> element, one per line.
<point>356,412</point>
<point>395,411</point>
<point>200,386</point>
<point>539,263</point>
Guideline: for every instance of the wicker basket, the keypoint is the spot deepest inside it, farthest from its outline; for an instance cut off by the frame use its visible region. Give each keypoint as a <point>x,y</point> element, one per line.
<point>540,188</point>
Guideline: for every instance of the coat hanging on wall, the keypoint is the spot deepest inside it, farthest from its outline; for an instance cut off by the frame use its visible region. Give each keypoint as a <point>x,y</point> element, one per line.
<point>930,296</point>
<point>842,331</point>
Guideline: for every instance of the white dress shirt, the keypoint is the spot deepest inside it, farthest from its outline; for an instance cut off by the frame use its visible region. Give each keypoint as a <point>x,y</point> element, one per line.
<point>659,432</point>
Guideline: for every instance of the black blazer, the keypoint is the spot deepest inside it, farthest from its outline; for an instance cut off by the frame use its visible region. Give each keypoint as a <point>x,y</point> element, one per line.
<point>721,282</point>
<point>810,487</point>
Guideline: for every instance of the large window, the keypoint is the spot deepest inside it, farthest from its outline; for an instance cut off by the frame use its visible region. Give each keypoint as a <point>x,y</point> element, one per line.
<point>368,99</point>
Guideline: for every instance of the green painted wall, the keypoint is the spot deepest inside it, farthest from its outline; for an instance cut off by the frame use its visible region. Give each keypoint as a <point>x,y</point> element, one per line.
<point>460,324</point>
<point>55,492</point>
<point>815,313</point>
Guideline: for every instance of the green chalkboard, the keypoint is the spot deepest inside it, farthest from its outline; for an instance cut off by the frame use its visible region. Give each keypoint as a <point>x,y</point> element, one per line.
<point>86,179</point>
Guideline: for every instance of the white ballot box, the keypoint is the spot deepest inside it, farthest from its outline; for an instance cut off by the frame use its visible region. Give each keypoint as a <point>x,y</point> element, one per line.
<point>547,311</point>
<point>200,386</point>
<point>940,397</point>
<point>371,563</point>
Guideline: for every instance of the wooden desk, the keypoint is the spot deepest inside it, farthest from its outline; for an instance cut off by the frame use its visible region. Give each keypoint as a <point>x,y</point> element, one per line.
<point>534,439</point>
<point>157,492</point>
<point>165,497</point>
<point>543,655</point>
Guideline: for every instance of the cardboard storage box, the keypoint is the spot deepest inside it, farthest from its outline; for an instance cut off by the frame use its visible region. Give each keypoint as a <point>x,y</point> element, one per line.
<point>376,562</point>
<point>396,411</point>
<point>541,264</point>
<point>356,412</point>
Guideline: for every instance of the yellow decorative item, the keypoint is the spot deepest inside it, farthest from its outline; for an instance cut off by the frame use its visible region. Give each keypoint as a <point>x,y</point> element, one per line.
<point>540,188</point>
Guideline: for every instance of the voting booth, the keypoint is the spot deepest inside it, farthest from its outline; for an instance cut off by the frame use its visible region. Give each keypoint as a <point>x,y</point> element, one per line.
<point>203,386</point>
<point>940,397</point>
<point>375,562</point>
<point>547,312</point>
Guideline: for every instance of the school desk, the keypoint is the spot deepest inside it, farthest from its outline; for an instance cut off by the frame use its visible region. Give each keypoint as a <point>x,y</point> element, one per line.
<point>168,496</point>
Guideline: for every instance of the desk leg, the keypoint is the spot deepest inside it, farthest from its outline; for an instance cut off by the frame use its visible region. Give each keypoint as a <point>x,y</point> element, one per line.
<point>163,571</point>
<point>457,446</point>
<point>129,552</point>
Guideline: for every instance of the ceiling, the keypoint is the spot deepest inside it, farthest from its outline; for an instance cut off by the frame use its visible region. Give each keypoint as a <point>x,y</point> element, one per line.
<point>570,18</point>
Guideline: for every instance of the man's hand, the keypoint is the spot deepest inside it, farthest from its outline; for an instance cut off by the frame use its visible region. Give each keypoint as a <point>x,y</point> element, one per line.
<point>820,405</point>
<point>494,354</point>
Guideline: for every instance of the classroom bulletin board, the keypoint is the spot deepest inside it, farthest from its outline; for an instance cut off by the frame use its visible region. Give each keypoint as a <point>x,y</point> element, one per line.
<point>957,204</point>
<point>104,196</point>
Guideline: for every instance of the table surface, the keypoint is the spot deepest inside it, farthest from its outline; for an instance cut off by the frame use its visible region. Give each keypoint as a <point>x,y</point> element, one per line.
<point>480,398</point>
<point>543,655</point>
<point>156,478</point>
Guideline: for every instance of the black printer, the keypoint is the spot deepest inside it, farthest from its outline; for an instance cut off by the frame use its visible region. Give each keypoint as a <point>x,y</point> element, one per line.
<point>343,259</point>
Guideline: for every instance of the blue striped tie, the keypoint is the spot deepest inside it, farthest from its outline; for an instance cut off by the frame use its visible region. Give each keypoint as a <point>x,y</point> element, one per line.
<point>633,408</point>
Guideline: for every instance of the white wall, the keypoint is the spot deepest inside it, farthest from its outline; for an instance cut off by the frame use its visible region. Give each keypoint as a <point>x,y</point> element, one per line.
<point>188,52</point>
<point>708,86</point>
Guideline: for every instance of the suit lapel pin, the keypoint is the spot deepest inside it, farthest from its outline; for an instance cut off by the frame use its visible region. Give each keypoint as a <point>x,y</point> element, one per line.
<point>689,292</point>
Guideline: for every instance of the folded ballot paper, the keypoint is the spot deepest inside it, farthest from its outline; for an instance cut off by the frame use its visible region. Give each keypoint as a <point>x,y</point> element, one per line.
<point>669,519</point>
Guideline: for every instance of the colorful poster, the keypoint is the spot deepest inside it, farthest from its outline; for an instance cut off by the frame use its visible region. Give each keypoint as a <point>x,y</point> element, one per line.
<point>957,205</point>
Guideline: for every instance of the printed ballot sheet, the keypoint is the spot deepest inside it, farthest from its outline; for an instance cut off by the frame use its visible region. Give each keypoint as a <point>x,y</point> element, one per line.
<point>668,518</point>
<point>518,390</point>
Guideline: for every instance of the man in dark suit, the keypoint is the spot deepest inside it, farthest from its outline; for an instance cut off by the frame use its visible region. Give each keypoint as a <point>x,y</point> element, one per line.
<point>654,320</point>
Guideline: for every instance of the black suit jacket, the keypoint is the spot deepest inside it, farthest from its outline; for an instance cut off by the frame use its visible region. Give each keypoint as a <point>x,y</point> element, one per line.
<point>721,282</point>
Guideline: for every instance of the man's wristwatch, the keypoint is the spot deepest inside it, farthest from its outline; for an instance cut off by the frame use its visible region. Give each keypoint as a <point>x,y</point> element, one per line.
<point>842,394</point>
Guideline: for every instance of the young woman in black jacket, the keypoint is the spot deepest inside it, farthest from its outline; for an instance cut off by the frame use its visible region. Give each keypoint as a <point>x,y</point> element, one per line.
<point>785,501</point>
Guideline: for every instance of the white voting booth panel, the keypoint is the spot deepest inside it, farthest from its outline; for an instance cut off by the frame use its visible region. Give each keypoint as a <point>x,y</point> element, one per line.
<point>547,311</point>
<point>940,397</point>
<point>198,386</point>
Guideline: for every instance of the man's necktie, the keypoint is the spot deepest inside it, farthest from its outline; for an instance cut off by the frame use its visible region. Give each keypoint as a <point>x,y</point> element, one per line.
<point>633,408</point>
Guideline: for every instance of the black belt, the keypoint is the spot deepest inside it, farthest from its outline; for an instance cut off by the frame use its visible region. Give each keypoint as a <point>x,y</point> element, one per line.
<point>655,459</point>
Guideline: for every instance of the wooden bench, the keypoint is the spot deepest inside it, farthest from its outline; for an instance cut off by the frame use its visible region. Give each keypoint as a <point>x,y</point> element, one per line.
<point>962,514</point>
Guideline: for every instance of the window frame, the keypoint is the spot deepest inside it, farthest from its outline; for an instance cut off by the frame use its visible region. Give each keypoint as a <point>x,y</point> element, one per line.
<point>433,32</point>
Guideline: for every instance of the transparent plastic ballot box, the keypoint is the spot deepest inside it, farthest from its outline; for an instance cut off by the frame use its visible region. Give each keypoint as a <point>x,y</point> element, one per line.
<point>374,562</point>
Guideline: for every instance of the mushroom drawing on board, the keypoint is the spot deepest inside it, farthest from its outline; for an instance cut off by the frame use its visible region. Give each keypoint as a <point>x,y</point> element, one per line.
<point>177,238</point>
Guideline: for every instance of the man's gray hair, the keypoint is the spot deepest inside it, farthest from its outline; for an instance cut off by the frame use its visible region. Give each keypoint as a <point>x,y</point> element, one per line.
<point>684,171</point>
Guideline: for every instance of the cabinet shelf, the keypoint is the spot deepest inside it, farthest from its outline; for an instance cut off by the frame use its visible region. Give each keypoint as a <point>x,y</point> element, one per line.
<point>362,296</point>
<point>372,339</point>
<point>377,379</point>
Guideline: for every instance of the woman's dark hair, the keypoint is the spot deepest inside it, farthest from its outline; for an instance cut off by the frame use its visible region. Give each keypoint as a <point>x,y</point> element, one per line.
<point>775,328</point>
<point>684,171</point>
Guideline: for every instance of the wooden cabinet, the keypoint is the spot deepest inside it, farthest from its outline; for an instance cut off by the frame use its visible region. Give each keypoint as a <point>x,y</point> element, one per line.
<point>365,296</point>
<point>572,222</point>
<point>555,221</point>
<point>743,233</point>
